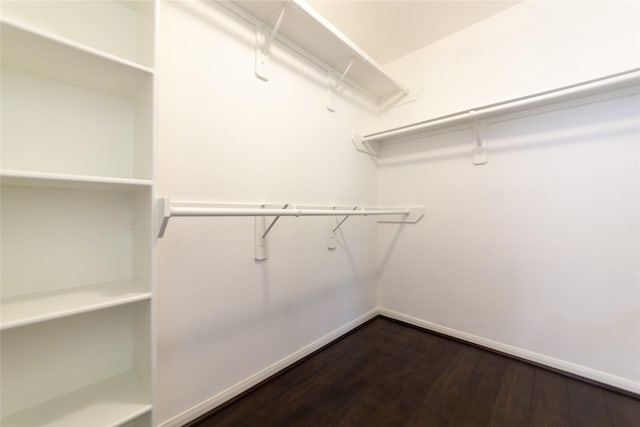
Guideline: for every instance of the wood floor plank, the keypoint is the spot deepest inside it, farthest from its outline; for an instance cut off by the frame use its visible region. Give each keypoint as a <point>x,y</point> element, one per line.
<point>550,400</point>
<point>587,405</point>
<point>448,390</point>
<point>512,405</point>
<point>388,374</point>
<point>624,411</point>
<point>480,395</point>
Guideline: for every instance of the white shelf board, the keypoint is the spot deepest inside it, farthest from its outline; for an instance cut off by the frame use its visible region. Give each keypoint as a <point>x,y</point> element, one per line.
<point>53,57</point>
<point>38,307</point>
<point>310,31</point>
<point>111,402</point>
<point>55,180</point>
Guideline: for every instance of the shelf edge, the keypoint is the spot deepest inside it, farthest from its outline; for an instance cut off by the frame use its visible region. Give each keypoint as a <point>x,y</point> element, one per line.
<point>13,174</point>
<point>74,311</point>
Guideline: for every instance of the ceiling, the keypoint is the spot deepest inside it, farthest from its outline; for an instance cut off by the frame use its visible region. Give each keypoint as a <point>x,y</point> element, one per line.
<point>390,29</point>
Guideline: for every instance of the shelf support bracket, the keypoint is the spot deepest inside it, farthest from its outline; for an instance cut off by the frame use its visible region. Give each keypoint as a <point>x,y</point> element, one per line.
<point>480,149</point>
<point>263,45</point>
<point>364,146</point>
<point>163,216</point>
<point>334,225</point>
<point>342,221</point>
<point>261,232</point>
<point>413,217</point>
<point>334,84</point>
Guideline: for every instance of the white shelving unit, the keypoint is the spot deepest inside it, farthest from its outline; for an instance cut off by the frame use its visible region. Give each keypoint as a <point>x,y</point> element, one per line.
<point>310,34</point>
<point>77,191</point>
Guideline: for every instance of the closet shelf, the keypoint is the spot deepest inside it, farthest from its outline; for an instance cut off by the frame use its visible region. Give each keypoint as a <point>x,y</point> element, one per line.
<point>310,34</point>
<point>111,402</point>
<point>46,55</point>
<point>76,182</point>
<point>38,307</point>
<point>628,80</point>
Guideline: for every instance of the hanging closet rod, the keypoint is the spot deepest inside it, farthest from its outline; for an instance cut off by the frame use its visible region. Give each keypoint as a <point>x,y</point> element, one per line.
<point>202,211</point>
<point>170,209</point>
<point>616,81</point>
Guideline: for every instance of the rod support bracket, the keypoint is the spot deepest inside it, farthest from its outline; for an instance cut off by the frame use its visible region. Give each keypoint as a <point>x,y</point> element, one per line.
<point>480,150</point>
<point>334,82</point>
<point>334,225</point>
<point>363,146</point>
<point>332,239</point>
<point>413,217</point>
<point>163,214</point>
<point>261,231</point>
<point>264,39</point>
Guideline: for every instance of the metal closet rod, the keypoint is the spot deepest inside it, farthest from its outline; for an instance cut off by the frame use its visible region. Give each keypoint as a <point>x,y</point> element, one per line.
<point>616,81</point>
<point>168,209</point>
<point>212,211</point>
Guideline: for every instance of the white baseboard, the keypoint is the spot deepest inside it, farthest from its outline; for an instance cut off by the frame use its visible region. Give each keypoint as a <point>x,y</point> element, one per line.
<point>233,391</point>
<point>563,365</point>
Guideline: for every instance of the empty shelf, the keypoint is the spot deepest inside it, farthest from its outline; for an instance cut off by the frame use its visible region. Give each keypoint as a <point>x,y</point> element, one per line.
<point>113,401</point>
<point>58,59</point>
<point>31,308</point>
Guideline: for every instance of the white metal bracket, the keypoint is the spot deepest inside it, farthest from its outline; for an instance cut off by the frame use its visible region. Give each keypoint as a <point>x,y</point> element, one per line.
<point>333,241</point>
<point>401,98</point>
<point>333,84</point>
<point>163,215</point>
<point>264,38</point>
<point>480,149</point>
<point>261,253</point>
<point>334,225</point>
<point>363,146</point>
<point>261,232</point>
<point>413,217</point>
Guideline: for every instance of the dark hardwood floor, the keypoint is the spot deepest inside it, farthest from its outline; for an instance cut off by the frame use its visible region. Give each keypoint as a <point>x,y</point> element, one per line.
<point>390,374</point>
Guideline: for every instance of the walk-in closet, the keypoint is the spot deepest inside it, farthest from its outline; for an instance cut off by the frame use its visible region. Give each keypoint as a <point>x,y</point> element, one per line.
<point>319,213</point>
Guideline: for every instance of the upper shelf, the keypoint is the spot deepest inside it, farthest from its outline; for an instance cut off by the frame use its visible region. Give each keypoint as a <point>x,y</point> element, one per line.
<point>53,57</point>
<point>123,28</point>
<point>310,31</point>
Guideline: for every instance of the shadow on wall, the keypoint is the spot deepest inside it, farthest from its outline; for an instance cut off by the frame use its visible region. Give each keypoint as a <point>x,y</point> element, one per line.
<point>226,330</point>
<point>200,329</point>
<point>384,259</point>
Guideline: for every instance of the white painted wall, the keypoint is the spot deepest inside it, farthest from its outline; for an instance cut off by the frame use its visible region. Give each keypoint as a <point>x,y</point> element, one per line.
<point>226,136</point>
<point>536,253</point>
<point>538,250</point>
<point>528,48</point>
